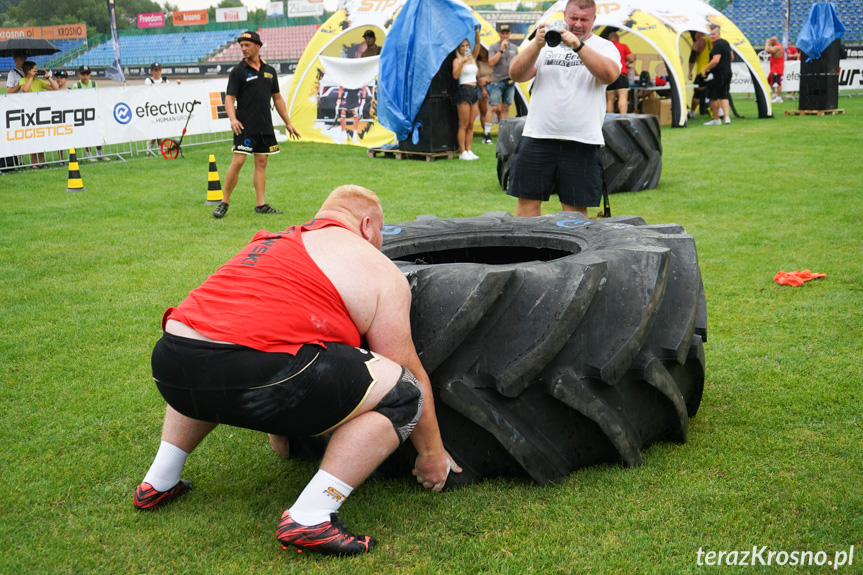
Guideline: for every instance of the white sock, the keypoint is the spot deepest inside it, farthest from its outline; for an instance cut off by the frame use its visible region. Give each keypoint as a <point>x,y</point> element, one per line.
<point>167,467</point>
<point>323,495</point>
<point>488,126</point>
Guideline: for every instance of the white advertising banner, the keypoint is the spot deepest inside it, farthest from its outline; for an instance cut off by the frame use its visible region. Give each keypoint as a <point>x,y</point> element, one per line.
<point>299,8</point>
<point>237,14</point>
<point>46,121</point>
<point>850,76</point>
<point>275,9</point>
<point>82,118</point>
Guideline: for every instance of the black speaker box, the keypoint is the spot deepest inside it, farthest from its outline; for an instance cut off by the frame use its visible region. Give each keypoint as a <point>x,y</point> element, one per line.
<point>818,92</point>
<point>438,121</point>
<point>443,84</point>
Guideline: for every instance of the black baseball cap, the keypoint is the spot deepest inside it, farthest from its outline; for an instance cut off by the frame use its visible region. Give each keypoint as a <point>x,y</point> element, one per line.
<point>250,37</point>
<point>504,28</point>
<point>84,68</point>
<point>155,66</point>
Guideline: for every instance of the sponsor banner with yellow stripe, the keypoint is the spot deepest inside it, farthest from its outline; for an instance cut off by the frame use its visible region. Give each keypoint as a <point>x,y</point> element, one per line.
<point>83,118</point>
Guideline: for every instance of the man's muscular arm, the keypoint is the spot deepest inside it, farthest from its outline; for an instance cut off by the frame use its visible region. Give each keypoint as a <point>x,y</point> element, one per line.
<point>390,335</point>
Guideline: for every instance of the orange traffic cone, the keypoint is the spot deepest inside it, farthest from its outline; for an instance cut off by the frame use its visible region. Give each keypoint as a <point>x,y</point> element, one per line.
<point>74,183</point>
<point>214,185</point>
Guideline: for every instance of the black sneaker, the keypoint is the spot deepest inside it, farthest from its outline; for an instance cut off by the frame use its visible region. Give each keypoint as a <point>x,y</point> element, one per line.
<point>146,498</point>
<point>266,209</point>
<point>220,210</point>
<point>330,537</point>
<point>486,139</point>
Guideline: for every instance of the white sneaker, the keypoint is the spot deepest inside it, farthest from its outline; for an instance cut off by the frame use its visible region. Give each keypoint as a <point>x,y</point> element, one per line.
<point>713,123</point>
<point>472,155</point>
<point>464,156</point>
<point>727,120</point>
<point>778,100</point>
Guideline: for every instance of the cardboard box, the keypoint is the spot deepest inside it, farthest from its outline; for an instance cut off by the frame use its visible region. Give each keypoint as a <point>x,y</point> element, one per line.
<point>660,107</point>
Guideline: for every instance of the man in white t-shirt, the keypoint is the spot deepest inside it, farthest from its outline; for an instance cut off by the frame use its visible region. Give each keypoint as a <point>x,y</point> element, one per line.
<point>559,149</point>
<point>16,74</point>
<point>156,76</point>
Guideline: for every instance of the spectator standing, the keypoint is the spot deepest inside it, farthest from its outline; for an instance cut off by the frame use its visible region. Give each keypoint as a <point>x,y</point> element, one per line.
<point>698,59</point>
<point>465,69</point>
<point>720,66</point>
<point>36,80</point>
<point>16,74</point>
<point>619,90</point>
<point>156,76</point>
<point>368,47</point>
<point>252,84</point>
<point>271,342</point>
<point>156,79</point>
<point>85,82</point>
<point>501,88</point>
<point>62,80</point>
<point>483,76</point>
<point>62,84</point>
<point>560,149</point>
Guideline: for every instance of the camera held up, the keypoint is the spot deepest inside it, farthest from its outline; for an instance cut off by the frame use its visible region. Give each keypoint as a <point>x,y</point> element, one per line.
<point>552,32</point>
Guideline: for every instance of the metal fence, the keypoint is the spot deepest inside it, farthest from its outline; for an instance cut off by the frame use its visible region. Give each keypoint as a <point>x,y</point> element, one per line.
<point>114,152</point>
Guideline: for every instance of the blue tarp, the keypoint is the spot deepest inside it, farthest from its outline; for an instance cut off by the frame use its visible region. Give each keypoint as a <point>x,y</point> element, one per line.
<point>822,26</point>
<point>420,39</point>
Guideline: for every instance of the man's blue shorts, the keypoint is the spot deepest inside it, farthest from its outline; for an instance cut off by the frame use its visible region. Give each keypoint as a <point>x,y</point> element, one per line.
<point>501,89</point>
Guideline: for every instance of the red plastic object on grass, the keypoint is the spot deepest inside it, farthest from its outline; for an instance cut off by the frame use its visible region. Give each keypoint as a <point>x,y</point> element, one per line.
<point>797,278</point>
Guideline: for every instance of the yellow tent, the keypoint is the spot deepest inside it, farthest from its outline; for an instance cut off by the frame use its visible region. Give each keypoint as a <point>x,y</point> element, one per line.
<point>332,97</point>
<point>658,33</point>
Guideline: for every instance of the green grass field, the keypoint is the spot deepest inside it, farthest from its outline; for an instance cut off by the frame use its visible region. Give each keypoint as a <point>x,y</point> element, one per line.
<point>774,455</point>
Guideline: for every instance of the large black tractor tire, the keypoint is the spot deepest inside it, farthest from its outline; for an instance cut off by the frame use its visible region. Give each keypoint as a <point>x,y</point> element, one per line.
<point>552,343</point>
<point>631,157</point>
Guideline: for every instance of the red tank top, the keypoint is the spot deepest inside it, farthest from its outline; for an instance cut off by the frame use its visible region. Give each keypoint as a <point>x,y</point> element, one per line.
<point>271,296</point>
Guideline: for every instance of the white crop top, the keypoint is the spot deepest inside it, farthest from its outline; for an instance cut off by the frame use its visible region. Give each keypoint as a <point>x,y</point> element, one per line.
<point>468,74</point>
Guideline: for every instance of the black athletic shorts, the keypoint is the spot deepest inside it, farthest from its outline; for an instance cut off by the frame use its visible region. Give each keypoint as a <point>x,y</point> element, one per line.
<point>572,170</point>
<point>718,88</point>
<point>261,144</point>
<point>622,83</point>
<point>279,393</point>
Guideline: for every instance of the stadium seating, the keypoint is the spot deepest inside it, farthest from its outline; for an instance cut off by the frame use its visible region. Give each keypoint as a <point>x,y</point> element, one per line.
<point>761,19</point>
<point>181,48</point>
<point>282,43</point>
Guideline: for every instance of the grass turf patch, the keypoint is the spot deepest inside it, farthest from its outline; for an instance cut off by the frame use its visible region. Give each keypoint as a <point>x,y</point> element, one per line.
<point>773,456</point>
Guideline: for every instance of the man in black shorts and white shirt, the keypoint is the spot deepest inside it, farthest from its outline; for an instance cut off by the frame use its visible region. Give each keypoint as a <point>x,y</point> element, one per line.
<point>559,150</point>
<point>251,85</point>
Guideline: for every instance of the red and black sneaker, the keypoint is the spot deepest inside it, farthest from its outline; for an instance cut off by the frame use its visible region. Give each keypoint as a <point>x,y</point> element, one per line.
<point>146,498</point>
<point>330,537</point>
